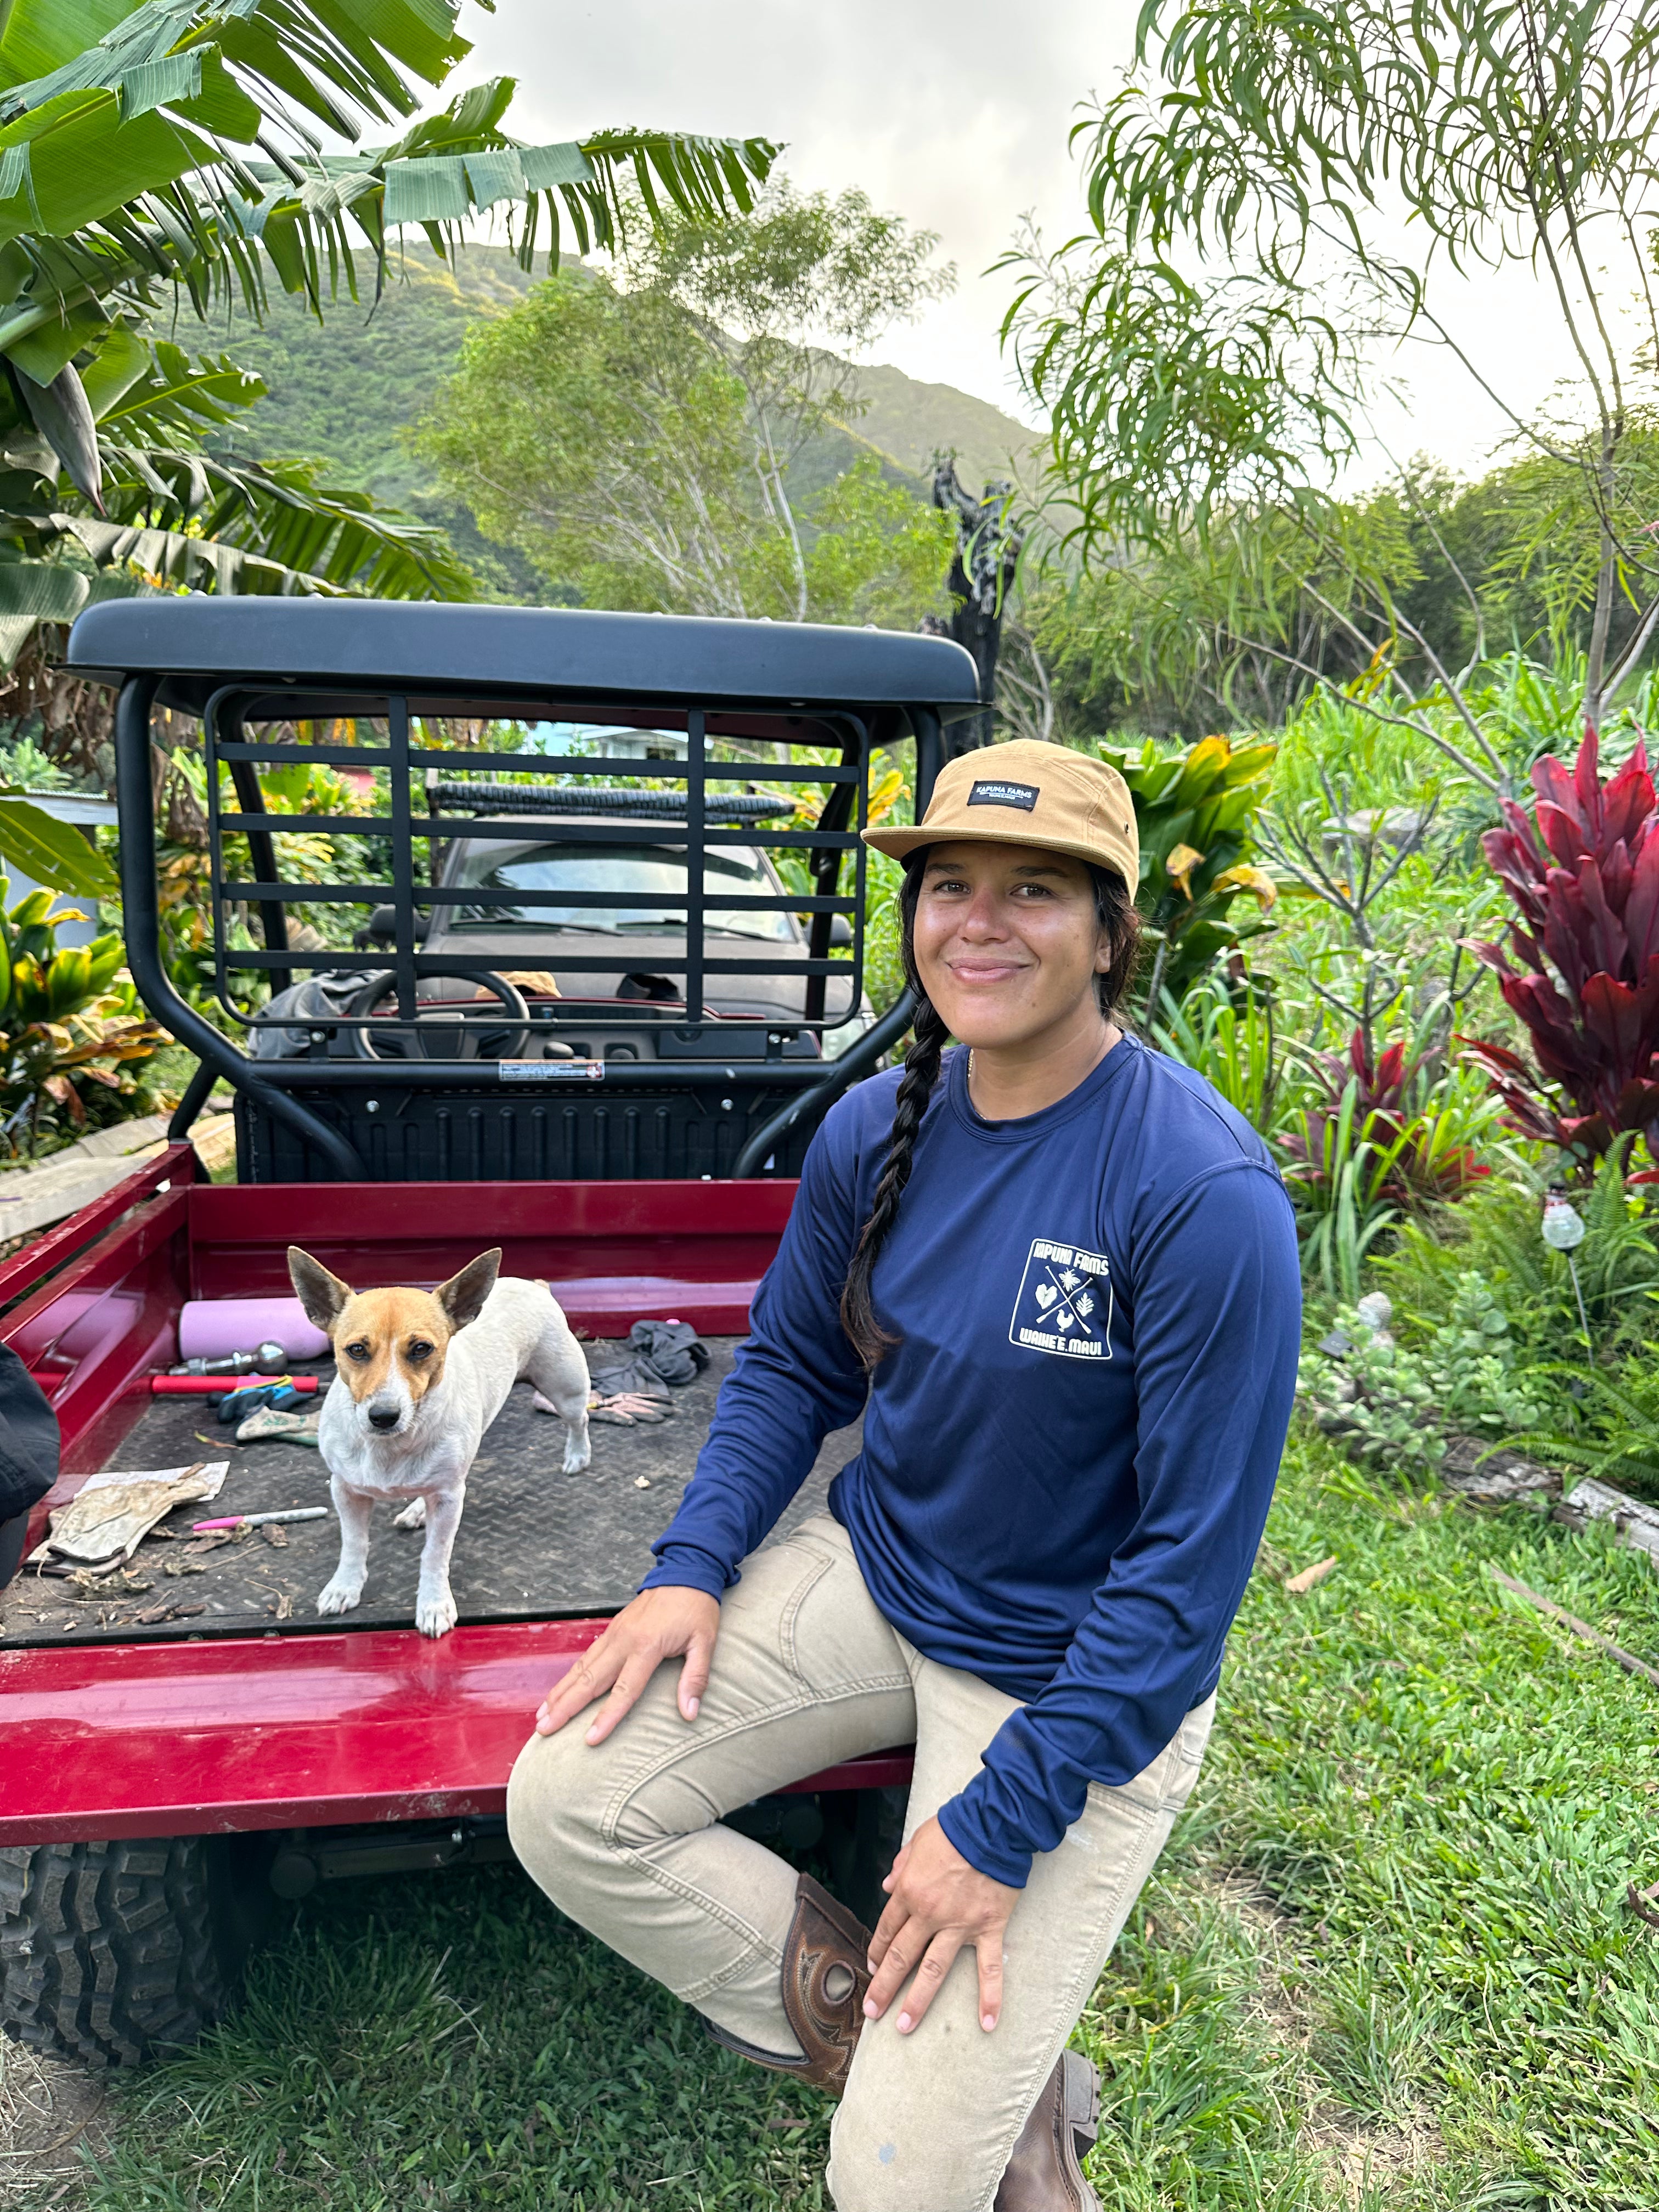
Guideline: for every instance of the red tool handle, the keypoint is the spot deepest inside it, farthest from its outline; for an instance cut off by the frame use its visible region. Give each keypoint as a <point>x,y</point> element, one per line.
<point>198,1386</point>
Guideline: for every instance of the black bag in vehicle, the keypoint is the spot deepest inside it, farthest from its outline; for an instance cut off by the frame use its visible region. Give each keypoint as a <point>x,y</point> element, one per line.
<point>28,1456</point>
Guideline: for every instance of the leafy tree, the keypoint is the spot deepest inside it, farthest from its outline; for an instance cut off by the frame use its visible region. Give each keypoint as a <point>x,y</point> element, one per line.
<point>1205,345</point>
<point>875,553</point>
<point>763,288</point>
<point>636,438</point>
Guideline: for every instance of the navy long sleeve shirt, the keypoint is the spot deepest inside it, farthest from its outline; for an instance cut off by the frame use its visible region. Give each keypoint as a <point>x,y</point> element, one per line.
<point>1068,1458</point>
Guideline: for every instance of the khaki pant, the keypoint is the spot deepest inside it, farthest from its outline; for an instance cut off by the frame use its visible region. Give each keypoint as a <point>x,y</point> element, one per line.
<point>625,1838</point>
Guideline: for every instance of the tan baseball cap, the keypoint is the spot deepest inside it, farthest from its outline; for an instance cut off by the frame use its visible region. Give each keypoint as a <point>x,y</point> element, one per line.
<point>1026,793</point>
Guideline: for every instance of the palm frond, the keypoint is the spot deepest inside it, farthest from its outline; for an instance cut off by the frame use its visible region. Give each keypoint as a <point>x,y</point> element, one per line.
<point>182,517</point>
<point>126,162</point>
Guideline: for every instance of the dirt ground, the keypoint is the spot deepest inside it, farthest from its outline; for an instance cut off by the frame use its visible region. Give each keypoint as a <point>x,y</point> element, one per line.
<point>48,2110</point>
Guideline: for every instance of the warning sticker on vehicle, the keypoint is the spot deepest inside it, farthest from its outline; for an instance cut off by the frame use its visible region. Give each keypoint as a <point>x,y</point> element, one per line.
<point>1065,1302</point>
<point>551,1071</point>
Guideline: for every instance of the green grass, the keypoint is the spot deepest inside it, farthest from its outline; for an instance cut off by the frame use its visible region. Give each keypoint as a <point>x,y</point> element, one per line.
<point>1387,1962</point>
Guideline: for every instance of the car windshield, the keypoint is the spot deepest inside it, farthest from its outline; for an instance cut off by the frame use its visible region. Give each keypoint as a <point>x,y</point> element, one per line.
<point>641,872</point>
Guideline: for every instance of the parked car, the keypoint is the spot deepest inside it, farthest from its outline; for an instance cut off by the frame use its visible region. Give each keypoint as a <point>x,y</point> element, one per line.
<point>643,933</point>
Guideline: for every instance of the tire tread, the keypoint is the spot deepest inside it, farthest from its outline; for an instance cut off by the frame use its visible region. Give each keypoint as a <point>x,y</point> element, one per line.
<point>109,1952</point>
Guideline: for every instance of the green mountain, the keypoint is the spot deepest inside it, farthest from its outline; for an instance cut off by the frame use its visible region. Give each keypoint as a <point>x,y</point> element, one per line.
<point>913,421</point>
<point>346,390</point>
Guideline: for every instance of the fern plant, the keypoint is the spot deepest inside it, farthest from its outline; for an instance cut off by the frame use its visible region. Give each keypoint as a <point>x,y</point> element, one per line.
<point>1616,1433</point>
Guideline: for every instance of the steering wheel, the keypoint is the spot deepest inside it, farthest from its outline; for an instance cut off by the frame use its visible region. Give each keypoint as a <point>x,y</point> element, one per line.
<point>446,1029</point>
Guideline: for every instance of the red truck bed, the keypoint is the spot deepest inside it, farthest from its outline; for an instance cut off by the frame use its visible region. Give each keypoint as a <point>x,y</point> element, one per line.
<point>198,1728</point>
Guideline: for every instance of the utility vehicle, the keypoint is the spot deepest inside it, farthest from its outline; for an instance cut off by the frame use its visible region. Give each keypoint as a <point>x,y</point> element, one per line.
<point>182,1743</point>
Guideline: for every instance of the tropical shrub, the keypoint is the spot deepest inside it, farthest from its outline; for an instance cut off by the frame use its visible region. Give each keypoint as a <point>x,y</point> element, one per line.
<point>1378,1140</point>
<point>1616,1432</point>
<point>1422,1158</point>
<point>1583,872</point>
<point>68,1020</point>
<point>184,874</point>
<point>1226,1033</point>
<point>1495,1231</point>
<point>1195,811</point>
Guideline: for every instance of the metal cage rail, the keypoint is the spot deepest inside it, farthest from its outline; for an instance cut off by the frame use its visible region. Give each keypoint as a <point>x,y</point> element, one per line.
<point>727,1093</point>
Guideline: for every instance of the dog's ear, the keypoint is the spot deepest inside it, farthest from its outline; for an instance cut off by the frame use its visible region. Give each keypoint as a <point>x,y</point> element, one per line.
<point>324,1296</point>
<point>463,1296</point>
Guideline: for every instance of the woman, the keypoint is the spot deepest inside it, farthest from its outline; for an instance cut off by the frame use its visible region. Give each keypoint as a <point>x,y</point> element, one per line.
<point>1065,1274</point>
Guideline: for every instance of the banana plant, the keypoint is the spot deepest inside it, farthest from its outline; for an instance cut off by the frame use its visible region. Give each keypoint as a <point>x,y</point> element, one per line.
<point>53,853</point>
<point>131,159</point>
<point>151,510</point>
<point>1195,812</point>
<point>129,189</point>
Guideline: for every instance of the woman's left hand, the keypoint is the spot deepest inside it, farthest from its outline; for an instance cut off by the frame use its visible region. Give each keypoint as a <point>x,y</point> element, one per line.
<point>936,1903</point>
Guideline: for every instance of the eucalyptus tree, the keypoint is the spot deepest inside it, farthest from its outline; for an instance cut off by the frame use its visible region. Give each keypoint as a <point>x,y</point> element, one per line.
<point>1277,194</point>
<point>638,432</point>
<point>786,300</point>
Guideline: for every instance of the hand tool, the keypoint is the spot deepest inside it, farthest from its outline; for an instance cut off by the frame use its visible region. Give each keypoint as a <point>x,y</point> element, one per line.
<point>201,1386</point>
<point>269,1356</point>
<point>259,1520</point>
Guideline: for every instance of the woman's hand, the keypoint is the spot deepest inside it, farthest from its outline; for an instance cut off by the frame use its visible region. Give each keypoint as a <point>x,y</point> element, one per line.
<point>659,1625</point>
<point>936,1903</point>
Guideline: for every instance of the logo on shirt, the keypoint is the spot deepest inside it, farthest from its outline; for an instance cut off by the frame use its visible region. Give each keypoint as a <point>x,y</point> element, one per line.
<point>1065,1302</point>
<point>986,792</point>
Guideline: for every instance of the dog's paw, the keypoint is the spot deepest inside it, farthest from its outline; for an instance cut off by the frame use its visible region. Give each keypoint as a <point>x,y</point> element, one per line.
<point>434,1615</point>
<point>577,1453</point>
<point>338,1596</point>
<point>412,1516</point>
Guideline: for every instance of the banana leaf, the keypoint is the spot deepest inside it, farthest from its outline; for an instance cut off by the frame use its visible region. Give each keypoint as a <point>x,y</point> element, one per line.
<point>53,853</point>
<point>129,153</point>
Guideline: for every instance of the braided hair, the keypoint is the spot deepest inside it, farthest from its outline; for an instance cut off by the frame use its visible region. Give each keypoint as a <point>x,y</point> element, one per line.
<point>1119,923</point>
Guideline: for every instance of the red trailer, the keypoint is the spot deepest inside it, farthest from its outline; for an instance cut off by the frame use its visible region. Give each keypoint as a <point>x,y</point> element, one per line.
<point>187,1739</point>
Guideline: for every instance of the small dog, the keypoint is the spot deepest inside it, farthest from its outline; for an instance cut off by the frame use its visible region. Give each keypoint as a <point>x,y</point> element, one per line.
<point>420,1377</point>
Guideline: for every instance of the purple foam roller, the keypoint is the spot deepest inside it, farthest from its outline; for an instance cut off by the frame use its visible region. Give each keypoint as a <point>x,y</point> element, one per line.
<point>212,1328</point>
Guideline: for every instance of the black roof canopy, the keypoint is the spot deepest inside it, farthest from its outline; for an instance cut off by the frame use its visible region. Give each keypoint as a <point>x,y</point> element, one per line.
<point>195,643</point>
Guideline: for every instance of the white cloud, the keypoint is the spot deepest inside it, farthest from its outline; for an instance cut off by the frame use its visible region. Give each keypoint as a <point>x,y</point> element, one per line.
<point>957,117</point>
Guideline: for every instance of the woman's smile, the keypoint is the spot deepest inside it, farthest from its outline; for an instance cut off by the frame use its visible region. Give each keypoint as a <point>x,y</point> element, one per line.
<point>986,969</point>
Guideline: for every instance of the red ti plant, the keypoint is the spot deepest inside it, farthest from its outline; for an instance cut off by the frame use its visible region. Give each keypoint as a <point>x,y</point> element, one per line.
<point>1584,872</point>
<point>1372,1101</point>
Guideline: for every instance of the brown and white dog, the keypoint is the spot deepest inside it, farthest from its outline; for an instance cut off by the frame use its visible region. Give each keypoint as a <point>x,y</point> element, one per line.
<point>420,1375</point>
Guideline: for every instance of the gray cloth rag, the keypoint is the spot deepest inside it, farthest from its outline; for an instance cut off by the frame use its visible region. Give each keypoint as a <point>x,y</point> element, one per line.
<point>662,1353</point>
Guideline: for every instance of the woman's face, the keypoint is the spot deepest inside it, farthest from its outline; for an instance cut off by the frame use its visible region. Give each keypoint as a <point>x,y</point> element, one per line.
<point>1007,941</point>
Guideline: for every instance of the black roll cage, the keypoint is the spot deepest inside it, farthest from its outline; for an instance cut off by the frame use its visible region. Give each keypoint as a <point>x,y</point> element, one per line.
<point>334,1066</point>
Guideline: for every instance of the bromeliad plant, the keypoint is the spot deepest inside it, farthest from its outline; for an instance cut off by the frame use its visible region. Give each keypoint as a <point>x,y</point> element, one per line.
<point>1195,812</point>
<point>1422,1158</point>
<point>1584,872</point>
<point>1383,1139</point>
<point>67,1019</point>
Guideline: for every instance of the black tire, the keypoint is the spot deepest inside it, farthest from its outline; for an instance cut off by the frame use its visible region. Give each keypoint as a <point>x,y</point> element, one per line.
<point>113,1953</point>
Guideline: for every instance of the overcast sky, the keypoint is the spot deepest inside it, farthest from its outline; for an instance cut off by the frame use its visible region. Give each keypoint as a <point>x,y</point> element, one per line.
<point>954,117</point>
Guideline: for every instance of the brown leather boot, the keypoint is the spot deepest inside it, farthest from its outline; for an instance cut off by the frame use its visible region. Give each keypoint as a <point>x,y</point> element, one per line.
<point>825,1975</point>
<point>1045,2174</point>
